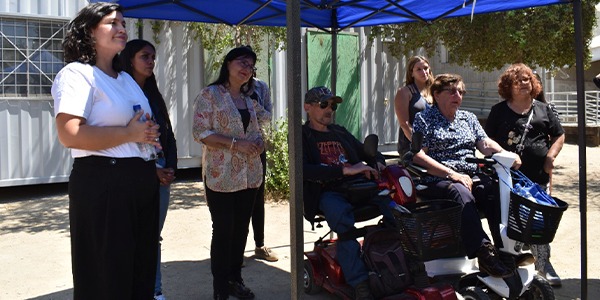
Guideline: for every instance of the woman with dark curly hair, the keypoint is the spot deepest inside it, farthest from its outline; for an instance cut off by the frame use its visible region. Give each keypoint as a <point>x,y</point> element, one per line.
<point>530,128</point>
<point>113,188</point>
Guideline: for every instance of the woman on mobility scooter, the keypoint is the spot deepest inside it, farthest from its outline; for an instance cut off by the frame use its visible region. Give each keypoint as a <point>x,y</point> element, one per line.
<point>332,157</point>
<point>450,136</point>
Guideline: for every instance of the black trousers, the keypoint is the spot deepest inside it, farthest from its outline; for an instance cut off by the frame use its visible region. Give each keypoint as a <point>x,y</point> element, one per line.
<point>230,214</point>
<point>113,212</point>
<point>258,212</point>
<point>482,197</point>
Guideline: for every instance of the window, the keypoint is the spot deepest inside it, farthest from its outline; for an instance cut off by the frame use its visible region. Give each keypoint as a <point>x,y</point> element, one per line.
<point>31,55</point>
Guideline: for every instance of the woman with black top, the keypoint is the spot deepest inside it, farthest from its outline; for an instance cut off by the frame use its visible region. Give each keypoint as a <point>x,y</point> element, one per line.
<point>137,60</point>
<point>412,98</point>
<point>530,128</point>
<point>226,123</point>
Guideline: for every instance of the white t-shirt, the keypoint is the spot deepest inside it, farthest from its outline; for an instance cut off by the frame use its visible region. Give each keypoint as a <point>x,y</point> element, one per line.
<point>85,91</point>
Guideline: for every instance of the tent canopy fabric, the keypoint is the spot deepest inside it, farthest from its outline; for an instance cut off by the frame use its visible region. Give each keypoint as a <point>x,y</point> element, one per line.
<point>332,14</point>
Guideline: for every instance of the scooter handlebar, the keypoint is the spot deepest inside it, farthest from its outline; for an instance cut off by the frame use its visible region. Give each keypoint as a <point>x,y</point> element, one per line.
<point>483,161</point>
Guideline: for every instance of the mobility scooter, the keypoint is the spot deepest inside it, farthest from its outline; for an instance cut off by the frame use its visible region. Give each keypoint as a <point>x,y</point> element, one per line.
<point>522,222</point>
<point>322,271</point>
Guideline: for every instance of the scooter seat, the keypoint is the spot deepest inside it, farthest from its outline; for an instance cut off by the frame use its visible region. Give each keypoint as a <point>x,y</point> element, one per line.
<point>366,212</point>
<point>363,212</point>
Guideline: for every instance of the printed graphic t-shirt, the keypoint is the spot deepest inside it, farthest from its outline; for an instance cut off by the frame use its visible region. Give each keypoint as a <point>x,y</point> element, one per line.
<point>332,154</point>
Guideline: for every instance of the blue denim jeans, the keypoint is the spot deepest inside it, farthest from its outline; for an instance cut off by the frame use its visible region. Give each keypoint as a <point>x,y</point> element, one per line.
<point>339,216</point>
<point>165,193</point>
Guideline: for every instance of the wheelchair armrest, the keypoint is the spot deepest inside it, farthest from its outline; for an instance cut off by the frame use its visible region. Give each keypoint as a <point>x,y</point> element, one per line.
<point>486,161</point>
<point>416,170</point>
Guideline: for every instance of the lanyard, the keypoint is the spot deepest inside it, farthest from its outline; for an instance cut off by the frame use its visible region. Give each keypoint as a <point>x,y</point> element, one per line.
<point>520,146</point>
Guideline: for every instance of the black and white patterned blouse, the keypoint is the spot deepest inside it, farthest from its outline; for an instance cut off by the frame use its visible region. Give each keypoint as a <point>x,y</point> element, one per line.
<point>450,142</point>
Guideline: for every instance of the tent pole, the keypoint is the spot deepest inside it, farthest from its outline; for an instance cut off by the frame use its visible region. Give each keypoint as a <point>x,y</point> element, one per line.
<point>581,124</point>
<point>294,96</point>
<point>334,44</point>
<point>334,65</point>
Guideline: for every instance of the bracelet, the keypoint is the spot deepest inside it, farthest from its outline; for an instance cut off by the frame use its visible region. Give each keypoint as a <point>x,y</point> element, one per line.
<point>233,140</point>
<point>449,175</point>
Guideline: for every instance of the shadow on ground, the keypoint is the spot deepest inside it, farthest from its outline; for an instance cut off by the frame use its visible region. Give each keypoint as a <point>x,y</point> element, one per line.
<point>571,289</point>
<point>45,207</point>
<point>34,208</point>
<point>193,280</point>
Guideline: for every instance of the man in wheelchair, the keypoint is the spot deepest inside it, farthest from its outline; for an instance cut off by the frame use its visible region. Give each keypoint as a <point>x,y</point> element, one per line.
<point>333,157</point>
<point>450,136</point>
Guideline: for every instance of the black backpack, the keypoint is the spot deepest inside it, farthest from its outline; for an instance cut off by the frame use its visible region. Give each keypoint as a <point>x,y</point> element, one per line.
<point>383,255</point>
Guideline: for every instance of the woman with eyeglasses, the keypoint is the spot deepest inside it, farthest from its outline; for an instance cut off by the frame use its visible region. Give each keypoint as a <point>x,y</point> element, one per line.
<point>450,135</point>
<point>227,122</point>
<point>530,128</point>
<point>412,98</point>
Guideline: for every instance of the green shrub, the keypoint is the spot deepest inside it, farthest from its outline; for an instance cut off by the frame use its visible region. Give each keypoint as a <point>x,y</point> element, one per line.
<point>277,186</point>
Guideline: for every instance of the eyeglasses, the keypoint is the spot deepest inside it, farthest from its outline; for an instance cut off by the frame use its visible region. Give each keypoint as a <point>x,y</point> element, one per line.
<point>524,80</point>
<point>454,91</point>
<point>246,65</point>
<point>325,104</point>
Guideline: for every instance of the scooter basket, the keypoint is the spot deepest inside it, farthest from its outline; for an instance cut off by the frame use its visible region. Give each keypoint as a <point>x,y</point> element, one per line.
<point>431,230</point>
<point>531,222</point>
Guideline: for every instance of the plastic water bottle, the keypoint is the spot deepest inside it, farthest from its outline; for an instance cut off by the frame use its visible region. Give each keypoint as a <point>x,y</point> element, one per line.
<point>148,151</point>
<point>519,190</point>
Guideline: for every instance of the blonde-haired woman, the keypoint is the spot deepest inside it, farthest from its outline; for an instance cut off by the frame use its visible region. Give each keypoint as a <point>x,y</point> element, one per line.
<point>412,98</point>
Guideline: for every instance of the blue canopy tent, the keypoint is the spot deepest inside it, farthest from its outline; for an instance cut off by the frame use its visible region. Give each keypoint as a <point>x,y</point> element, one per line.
<point>334,16</point>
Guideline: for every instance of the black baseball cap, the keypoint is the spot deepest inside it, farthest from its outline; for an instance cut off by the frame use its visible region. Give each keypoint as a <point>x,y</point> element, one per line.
<point>320,94</point>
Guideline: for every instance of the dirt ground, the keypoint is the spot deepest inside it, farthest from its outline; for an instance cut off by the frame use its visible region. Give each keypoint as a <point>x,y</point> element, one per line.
<point>35,253</point>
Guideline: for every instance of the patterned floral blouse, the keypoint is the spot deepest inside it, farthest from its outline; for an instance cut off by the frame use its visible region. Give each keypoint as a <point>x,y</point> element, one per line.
<point>224,170</point>
<point>450,142</point>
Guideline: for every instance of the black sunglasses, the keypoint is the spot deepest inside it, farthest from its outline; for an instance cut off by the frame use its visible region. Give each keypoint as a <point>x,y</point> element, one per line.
<point>325,104</point>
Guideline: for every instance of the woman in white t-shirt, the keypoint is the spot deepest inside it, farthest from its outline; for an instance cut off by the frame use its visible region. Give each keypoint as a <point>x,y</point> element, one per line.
<point>113,190</point>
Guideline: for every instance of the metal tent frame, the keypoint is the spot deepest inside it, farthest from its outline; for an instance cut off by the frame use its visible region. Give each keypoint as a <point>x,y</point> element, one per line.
<point>336,15</point>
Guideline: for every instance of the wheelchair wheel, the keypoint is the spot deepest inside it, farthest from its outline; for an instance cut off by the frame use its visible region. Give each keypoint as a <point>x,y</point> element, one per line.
<point>473,293</point>
<point>310,287</point>
<point>540,289</point>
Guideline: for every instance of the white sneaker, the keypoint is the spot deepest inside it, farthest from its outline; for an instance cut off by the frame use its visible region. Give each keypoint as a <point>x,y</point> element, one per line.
<point>550,275</point>
<point>160,296</point>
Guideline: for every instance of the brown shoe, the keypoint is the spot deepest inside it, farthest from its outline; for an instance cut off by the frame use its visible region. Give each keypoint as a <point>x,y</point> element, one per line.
<point>489,261</point>
<point>265,253</point>
<point>524,259</point>
<point>362,291</point>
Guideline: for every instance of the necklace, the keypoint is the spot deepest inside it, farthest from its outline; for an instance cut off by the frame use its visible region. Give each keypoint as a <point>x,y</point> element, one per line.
<point>520,111</point>
<point>238,98</point>
<point>238,101</point>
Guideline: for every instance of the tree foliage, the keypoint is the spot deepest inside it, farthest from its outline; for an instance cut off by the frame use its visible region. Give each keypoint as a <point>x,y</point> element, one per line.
<point>219,38</point>
<point>277,186</point>
<point>540,36</point>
